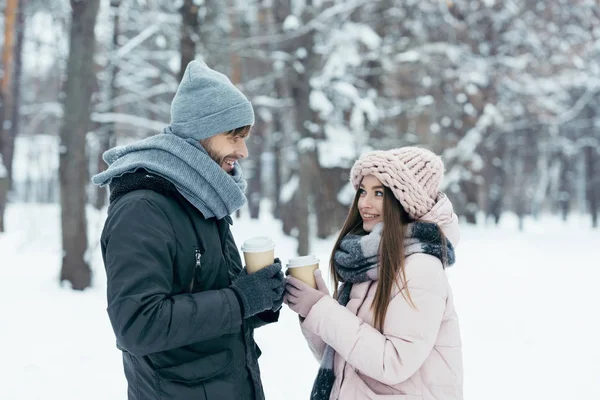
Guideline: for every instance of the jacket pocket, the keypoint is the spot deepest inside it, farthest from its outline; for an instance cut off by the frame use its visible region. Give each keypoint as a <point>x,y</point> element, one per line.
<point>371,395</point>
<point>198,370</point>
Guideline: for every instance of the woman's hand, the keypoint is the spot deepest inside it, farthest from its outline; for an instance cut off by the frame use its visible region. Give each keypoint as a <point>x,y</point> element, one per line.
<point>300,297</point>
<point>321,286</point>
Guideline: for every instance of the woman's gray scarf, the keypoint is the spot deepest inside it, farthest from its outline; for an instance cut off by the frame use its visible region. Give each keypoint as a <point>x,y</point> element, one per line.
<point>357,261</point>
<point>186,164</point>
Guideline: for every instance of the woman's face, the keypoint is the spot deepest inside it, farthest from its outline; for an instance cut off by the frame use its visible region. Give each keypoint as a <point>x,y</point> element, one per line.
<point>370,202</point>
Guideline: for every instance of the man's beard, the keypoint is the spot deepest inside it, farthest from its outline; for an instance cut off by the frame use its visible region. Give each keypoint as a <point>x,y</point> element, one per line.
<point>212,153</point>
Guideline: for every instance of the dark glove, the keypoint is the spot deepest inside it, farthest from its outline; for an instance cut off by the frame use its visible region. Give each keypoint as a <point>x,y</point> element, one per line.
<point>260,291</point>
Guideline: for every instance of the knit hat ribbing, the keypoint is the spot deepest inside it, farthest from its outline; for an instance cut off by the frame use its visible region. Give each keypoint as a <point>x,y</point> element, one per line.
<point>207,103</point>
<point>413,174</point>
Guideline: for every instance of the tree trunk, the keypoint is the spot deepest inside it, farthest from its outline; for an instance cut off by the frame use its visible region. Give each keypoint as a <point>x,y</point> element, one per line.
<point>73,170</point>
<point>564,196</point>
<point>108,136</point>
<point>495,181</point>
<point>306,147</point>
<point>8,53</point>
<point>277,164</point>
<point>564,210</point>
<point>469,190</point>
<point>3,193</point>
<point>279,12</point>
<point>595,206</point>
<point>592,179</point>
<point>520,184</point>
<point>16,86</point>
<point>304,198</point>
<point>255,146</point>
<point>238,29</point>
<point>310,131</point>
<point>289,226</point>
<point>494,199</point>
<point>13,25</point>
<point>331,214</point>
<point>189,28</point>
<point>520,203</point>
<point>241,72</point>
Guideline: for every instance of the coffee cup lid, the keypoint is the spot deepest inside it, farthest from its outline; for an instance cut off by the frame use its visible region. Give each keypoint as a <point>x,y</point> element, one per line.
<point>302,261</point>
<point>258,244</point>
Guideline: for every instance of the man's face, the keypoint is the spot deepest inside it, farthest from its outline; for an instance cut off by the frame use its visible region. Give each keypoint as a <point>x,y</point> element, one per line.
<point>227,148</point>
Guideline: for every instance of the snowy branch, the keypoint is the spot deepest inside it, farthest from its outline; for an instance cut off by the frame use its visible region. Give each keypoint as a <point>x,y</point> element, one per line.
<point>271,102</point>
<point>135,42</point>
<point>317,22</point>
<point>466,146</point>
<point>453,52</point>
<point>567,116</point>
<point>136,97</point>
<point>465,150</point>
<point>574,111</point>
<point>132,120</point>
<point>50,108</point>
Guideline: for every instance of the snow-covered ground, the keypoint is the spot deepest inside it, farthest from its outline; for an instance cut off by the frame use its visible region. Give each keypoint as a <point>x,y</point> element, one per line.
<point>528,304</point>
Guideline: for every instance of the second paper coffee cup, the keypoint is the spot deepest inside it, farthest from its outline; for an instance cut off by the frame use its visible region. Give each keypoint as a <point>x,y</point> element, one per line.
<point>303,268</point>
<point>259,252</point>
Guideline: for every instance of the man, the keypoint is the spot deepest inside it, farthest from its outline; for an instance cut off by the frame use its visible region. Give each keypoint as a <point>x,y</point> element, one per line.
<point>182,308</point>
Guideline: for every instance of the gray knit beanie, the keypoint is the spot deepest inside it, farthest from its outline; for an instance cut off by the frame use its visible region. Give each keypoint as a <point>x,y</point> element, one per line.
<point>207,103</point>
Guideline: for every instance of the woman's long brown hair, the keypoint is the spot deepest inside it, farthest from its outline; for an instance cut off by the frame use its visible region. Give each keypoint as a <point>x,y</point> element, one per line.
<point>391,252</point>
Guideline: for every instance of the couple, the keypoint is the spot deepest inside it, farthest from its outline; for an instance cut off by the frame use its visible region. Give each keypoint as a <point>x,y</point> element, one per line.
<point>184,309</point>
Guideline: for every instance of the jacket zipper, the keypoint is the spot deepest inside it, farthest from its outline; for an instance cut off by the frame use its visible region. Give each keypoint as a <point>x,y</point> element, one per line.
<point>196,268</point>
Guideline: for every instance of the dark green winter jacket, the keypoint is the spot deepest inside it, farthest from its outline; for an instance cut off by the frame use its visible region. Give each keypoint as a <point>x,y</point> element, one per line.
<point>168,271</point>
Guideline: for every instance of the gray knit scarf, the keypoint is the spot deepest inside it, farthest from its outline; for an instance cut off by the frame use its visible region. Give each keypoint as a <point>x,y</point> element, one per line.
<point>357,261</point>
<point>186,164</point>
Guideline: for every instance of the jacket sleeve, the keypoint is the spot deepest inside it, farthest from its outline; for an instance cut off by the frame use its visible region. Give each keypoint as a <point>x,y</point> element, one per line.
<point>138,245</point>
<point>265,318</point>
<point>408,336</point>
<point>315,343</point>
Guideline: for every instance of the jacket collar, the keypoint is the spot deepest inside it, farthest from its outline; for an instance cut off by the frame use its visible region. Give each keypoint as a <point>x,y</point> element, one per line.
<point>143,179</point>
<point>139,180</point>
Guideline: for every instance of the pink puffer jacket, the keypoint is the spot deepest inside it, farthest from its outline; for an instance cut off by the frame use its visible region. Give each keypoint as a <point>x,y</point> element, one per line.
<point>418,355</point>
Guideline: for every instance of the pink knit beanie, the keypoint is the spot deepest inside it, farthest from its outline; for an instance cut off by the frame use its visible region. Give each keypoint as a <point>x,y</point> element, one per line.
<point>413,174</point>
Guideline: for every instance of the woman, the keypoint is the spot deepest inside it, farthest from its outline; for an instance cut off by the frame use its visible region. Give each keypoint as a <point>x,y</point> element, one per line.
<point>393,332</point>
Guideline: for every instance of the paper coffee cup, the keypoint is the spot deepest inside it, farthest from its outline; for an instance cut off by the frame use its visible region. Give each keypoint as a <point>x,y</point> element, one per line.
<point>304,268</point>
<point>259,252</point>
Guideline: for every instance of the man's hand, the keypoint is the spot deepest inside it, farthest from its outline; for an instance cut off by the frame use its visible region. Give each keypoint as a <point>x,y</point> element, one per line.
<point>260,291</point>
